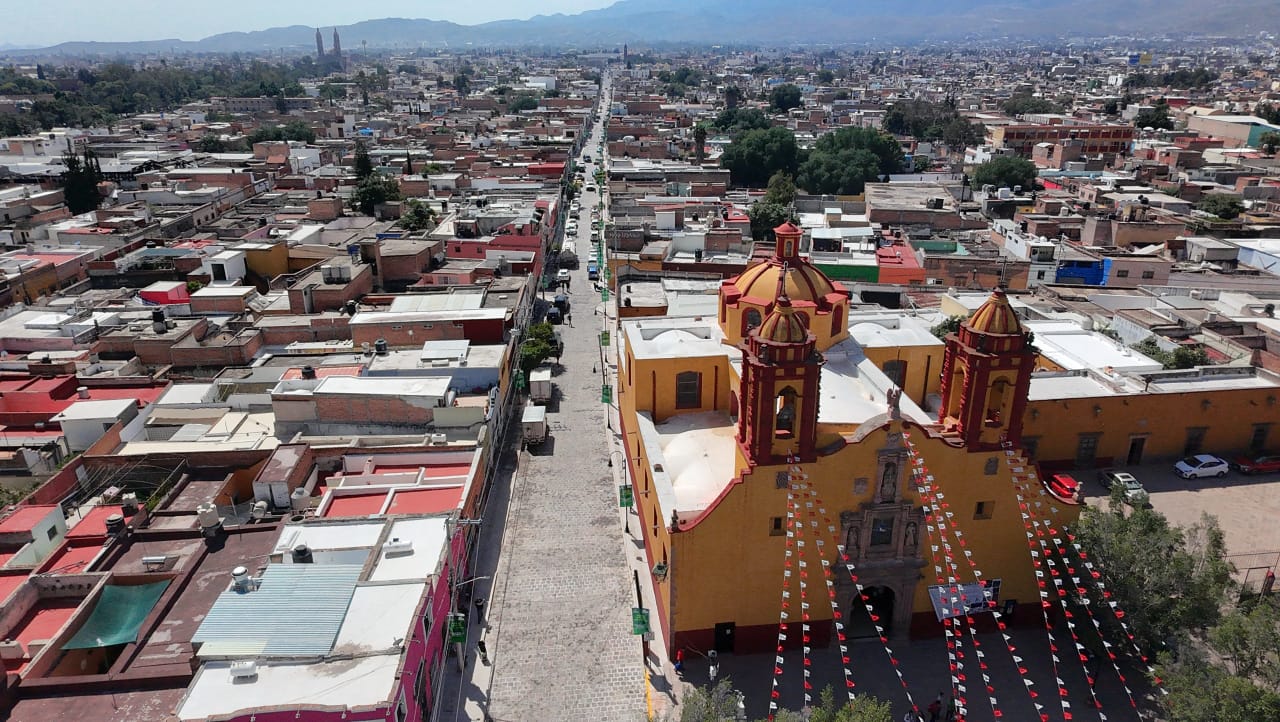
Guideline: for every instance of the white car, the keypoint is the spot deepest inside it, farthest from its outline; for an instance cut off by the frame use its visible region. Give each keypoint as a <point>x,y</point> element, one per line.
<point>1200,466</point>
<point>591,189</point>
<point>562,274</point>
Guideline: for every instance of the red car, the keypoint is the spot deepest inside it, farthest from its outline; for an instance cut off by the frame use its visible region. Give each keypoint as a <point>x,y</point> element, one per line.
<point>1257,465</point>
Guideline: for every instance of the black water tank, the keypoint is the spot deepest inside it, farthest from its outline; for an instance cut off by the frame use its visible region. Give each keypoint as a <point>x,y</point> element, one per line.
<point>308,372</point>
<point>302,554</point>
<point>380,347</point>
<point>115,525</point>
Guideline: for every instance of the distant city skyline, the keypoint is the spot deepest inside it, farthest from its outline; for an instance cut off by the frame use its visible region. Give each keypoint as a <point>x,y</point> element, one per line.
<point>131,20</point>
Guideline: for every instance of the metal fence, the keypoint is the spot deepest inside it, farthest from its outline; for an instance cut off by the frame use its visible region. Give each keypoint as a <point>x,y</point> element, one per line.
<point>1252,567</point>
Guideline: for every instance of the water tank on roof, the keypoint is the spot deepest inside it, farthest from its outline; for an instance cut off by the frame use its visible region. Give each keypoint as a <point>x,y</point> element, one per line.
<point>299,500</point>
<point>380,347</point>
<point>308,372</point>
<point>207,514</point>
<point>115,525</point>
<point>302,554</point>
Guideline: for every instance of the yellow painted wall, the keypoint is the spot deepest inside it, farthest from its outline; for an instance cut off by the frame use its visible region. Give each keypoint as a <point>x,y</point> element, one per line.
<point>270,262</point>
<point>1164,418</point>
<point>655,380</point>
<point>924,367</point>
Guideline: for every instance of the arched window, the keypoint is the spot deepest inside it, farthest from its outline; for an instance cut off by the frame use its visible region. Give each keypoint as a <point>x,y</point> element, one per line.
<point>837,320</point>
<point>688,390</point>
<point>750,320</point>
<point>784,421</point>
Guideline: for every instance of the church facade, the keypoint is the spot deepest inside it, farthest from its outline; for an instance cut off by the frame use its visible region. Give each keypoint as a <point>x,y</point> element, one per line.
<point>720,413</point>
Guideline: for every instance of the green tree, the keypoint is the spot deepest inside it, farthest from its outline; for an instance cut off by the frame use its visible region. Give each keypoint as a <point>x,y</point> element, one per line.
<point>1268,112</point>
<point>1157,116</point>
<point>1024,103</point>
<point>781,189</point>
<point>1005,171</point>
<point>80,180</point>
<point>826,77</point>
<point>739,120</point>
<point>718,704</point>
<point>699,143</point>
<point>949,325</point>
<point>1201,691</point>
<point>362,164</point>
<point>842,162</point>
<point>1187,357</point>
<point>1269,142</point>
<point>522,102</point>
<point>1223,205</point>
<point>785,97</point>
<point>372,191</point>
<point>210,143</point>
<point>765,217</point>
<point>732,97</point>
<point>299,130</point>
<point>1169,580</point>
<point>921,163</point>
<point>462,84</point>
<point>418,217</point>
<point>755,155</point>
<point>958,133</point>
<point>1248,640</point>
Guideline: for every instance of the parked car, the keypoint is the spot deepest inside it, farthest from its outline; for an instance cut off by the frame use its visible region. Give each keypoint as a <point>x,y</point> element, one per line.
<point>1201,465</point>
<point>562,274</point>
<point>1257,464</point>
<point>1133,492</point>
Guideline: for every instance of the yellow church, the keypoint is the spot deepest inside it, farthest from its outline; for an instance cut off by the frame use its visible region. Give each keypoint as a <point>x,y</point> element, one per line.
<point>715,410</point>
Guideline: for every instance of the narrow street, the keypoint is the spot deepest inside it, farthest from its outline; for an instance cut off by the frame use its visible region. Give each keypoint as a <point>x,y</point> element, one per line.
<point>551,562</point>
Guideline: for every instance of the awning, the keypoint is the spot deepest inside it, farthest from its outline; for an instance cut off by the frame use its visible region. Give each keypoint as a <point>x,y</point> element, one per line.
<point>117,616</point>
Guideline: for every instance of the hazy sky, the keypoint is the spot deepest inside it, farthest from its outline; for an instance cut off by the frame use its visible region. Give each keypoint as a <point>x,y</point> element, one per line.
<point>45,22</point>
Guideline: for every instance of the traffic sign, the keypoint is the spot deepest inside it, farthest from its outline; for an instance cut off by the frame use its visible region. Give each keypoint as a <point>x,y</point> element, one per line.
<point>625,496</point>
<point>457,628</point>
<point>639,620</point>
<point>606,394</point>
<point>604,338</point>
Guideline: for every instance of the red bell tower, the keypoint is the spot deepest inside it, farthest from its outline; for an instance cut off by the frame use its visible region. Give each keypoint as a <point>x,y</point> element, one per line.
<point>986,372</point>
<point>780,374</point>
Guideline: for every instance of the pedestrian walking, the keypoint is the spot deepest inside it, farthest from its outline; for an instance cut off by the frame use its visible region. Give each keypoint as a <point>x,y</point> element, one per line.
<point>935,709</point>
<point>951,708</point>
<point>679,663</point>
<point>910,716</point>
<point>484,652</point>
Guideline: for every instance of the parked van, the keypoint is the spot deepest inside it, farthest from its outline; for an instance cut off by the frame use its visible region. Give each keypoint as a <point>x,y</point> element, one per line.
<point>593,272</point>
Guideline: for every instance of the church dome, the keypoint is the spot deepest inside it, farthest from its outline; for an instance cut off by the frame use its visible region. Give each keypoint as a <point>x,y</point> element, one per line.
<point>784,325</point>
<point>803,282</point>
<point>995,316</point>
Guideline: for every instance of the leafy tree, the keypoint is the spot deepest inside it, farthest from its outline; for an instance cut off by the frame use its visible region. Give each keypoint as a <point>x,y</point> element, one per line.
<point>1200,691</point>
<point>80,180</point>
<point>533,352</point>
<point>523,102</point>
<point>785,97</point>
<point>699,143</point>
<point>781,189</point>
<point>842,162</point>
<point>363,165</point>
<point>765,217</point>
<point>1268,112</point>
<point>949,325</point>
<point>462,84</point>
<point>419,217</point>
<point>732,97</point>
<point>1169,580</point>
<point>1005,171</point>
<point>826,77</point>
<point>755,155</point>
<point>372,191</point>
<point>1024,103</point>
<point>1187,357</point>
<point>923,119</point>
<point>739,120</point>
<point>1269,142</point>
<point>1223,205</point>
<point>1157,116</point>
<point>1249,640</point>
<point>210,143</point>
<point>842,95</point>
<point>958,133</point>
<point>718,704</point>
<point>921,163</point>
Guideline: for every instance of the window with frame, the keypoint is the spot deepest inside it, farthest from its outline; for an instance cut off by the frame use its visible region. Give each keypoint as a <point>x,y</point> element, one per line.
<point>1040,275</point>
<point>1029,445</point>
<point>688,390</point>
<point>420,687</point>
<point>1148,274</point>
<point>1122,273</point>
<point>776,527</point>
<point>984,509</point>
<point>882,531</point>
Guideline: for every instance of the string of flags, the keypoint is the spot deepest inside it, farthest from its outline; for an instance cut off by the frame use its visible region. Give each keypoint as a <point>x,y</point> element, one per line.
<point>1026,479</point>
<point>799,481</point>
<point>784,615</point>
<point>937,515</point>
<point>881,632</point>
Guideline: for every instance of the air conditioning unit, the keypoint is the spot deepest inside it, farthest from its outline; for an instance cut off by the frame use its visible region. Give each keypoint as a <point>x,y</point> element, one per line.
<point>244,669</point>
<point>439,439</point>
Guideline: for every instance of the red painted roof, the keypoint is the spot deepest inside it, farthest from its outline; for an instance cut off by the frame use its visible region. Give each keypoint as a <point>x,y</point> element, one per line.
<point>325,371</point>
<point>425,500</point>
<point>356,505</point>
<point>10,582</point>
<point>71,558</point>
<point>24,518</point>
<point>94,524</point>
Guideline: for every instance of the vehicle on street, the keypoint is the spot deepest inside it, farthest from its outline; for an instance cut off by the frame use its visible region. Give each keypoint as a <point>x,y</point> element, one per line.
<point>591,189</point>
<point>554,316</point>
<point>593,271</point>
<point>533,425</point>
<point>562,274</point>
<point>1064,485</point>
<point>1134,494</point>
<point>562,302</point>
<point>1201,465</point>
<point>1257,464</point>
<point>540,385</point>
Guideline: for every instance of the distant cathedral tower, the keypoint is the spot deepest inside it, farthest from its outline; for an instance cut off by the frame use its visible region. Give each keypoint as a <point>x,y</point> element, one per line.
<point>319,45</point>
<point>337,45</point>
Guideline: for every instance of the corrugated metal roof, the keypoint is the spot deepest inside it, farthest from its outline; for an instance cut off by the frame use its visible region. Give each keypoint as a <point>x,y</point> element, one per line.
<point>295,612</point>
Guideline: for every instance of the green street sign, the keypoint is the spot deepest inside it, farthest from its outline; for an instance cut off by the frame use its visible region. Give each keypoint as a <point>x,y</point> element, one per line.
<point>457,628</point>
<point>625,497</point>
<point>606,394</point>
<point>520,381</point>
<point>639,620</point>
<point>604,338</point>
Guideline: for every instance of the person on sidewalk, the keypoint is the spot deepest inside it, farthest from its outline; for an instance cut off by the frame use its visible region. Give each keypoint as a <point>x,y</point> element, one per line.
<point>935,709</point>
<point>679,663</point>
<point>952,711</point>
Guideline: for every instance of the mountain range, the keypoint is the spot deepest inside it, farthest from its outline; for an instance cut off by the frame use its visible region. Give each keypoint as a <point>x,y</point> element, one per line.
<point>752,22</point>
